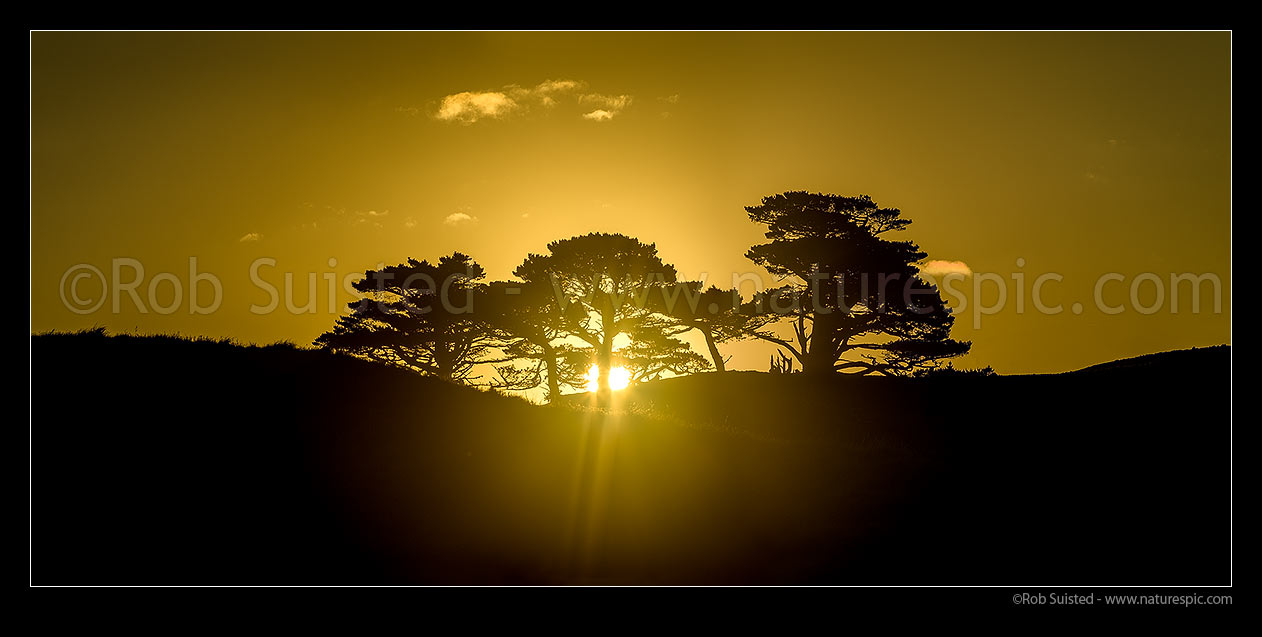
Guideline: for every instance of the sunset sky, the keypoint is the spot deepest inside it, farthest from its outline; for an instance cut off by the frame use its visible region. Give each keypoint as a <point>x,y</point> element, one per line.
<point>1078,153</point>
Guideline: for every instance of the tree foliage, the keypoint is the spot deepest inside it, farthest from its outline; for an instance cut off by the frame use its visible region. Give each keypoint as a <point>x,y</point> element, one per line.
<point>531,326</point>
<point>717,314</point>
<point>609,278</point>
<point>853,297</point>
<point>653,352</point>
<point>419,315</point>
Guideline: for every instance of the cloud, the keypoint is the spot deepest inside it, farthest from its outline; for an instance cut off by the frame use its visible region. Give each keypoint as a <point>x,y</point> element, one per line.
<point>332,217</point>
<point>469,107</point>
<point>669,99</point>
<point>512,100</point>
<point>458,218</point>
<point>368,216</point>
<point>250,237</point>
<point>608,102</point>
<point>545,93</point>
<point>609,105</point>
<point>937,268</point>
<point>557,86</point>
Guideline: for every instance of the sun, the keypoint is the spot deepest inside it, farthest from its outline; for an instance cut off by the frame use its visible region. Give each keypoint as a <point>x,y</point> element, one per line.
<point>619,378</point>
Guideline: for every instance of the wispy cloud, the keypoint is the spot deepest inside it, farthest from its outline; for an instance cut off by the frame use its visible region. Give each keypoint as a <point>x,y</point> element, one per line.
<point>374,217</point>
<point>336,218</point>
<point>608,102</point>
<point>608,105</point>
<point>939,268</point>
<point>670,100</point>
<point>557,86</point>
<point>472,106</point>
<point>250,237</point>
<point>459,218</point>
<point>469,107</point>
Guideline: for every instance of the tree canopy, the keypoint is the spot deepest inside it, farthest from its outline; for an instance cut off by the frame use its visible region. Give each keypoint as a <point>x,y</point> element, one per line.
<point>717,314</point>
<point>531,325</point>
<point>854,298</point>
<point>420,316</point>
<point>610,277</point>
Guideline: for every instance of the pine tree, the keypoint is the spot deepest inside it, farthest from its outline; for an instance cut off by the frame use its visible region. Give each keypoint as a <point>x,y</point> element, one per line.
<point>610,278</point>
<point>854,298</point>
<point>419,316</point>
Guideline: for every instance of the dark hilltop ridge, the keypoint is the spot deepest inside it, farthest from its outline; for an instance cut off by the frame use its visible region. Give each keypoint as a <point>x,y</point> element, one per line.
<point>164,460</point>
<point>1167,360</point>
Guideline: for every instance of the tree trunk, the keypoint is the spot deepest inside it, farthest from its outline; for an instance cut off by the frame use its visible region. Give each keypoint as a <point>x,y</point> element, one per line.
<point>443,362</point>
<point>820,358</point>
<point>604,361</point>
<point>554,384</point>
<point>714,351</point>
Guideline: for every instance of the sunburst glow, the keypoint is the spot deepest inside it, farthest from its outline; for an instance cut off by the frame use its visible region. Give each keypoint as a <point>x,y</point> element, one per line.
<point>619,378</point>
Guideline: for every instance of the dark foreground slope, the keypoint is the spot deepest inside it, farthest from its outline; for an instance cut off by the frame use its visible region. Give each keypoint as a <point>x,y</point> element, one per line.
<point>156,460</point>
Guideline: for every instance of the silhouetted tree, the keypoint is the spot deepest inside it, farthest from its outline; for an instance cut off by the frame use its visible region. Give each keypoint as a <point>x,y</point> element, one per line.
<point>531,327</point>
<point>715,313</point>
<point>419,316</point>
<point>610,277</point>
<point>653,352</point>
<point>848,284</point>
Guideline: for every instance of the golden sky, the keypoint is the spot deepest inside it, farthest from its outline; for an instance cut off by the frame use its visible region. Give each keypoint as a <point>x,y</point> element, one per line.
<point>1081,154</point>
